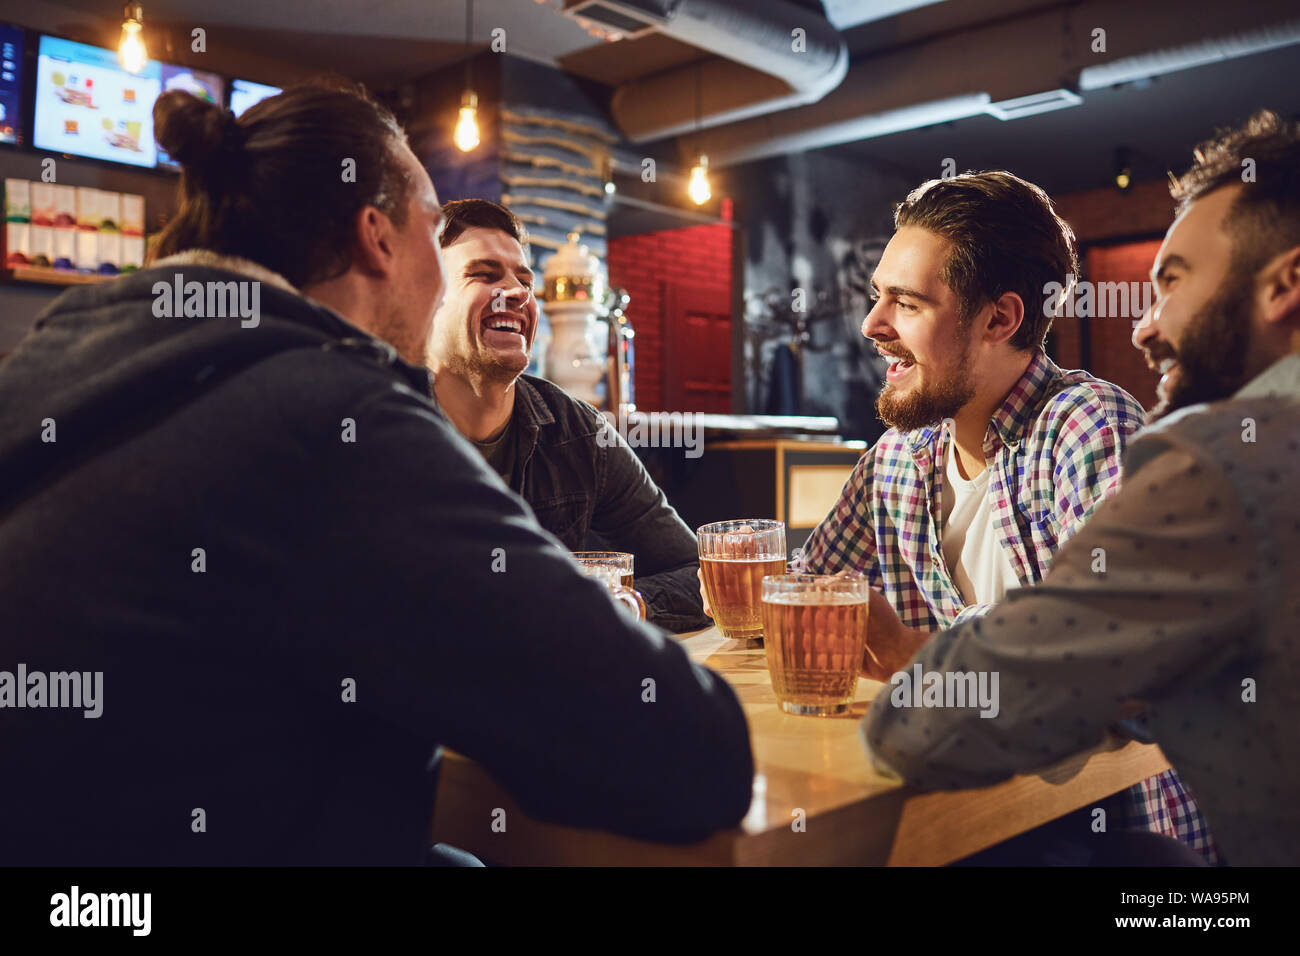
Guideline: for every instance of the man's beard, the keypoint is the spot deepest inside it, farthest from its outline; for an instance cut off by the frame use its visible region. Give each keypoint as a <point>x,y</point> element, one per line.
<point>1212,354</point>
<point>930,402</point>
<point>480,367</point>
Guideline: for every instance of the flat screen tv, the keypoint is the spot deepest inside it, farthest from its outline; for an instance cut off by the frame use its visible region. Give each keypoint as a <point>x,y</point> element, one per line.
<point>87,105</point>
<point>244,93</point>
<point>11,82</point>
<point>206,86</point>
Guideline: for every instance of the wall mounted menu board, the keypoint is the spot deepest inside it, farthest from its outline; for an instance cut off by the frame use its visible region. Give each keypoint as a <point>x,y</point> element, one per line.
<point>244,93</point>
<point>87,105</point>
<point>11,77</point>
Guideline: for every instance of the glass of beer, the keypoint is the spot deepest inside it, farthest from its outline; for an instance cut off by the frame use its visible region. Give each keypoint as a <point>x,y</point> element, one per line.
<point>734,557</point>
<point>619,561</point>
<point>816,630</point>
<point>612,578</point>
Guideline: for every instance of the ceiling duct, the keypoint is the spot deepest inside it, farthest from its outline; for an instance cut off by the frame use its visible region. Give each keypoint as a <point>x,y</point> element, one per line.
<point>1213,50</point>
<point>958,75</point>
<point>767,56</point>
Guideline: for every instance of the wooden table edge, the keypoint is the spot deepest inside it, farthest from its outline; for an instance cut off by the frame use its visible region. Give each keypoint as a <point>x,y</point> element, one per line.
<point>897,827</point>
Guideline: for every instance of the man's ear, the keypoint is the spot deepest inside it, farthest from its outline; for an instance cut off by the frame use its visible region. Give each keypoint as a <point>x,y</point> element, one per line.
<point>374,239</point>
<point>1005,319</point>
<point>1279,292</point>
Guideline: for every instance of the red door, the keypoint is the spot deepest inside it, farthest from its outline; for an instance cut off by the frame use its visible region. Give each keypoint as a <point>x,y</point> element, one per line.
<point>697,348</point>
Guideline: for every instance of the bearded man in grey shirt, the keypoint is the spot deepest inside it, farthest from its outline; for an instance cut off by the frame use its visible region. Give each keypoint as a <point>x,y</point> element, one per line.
<point>1190,614</point>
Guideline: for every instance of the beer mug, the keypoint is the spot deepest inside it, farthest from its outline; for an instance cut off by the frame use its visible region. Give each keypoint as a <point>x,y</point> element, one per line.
<point>612,578</point>
<point>815,627</point>
<point>734,558</point>
<point>620,561</point>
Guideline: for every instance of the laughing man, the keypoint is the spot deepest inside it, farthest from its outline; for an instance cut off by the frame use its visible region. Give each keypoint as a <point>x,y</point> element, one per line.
<point>558,453</point>
<point>994,456</point>
<point>1194,618</point>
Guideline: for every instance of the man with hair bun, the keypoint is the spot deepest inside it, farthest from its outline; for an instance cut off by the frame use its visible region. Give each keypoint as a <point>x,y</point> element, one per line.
<point>237,504</point>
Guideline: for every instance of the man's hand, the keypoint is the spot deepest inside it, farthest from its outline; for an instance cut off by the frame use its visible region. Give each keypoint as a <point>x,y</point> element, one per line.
<point>704,594</point>
<point>890,645</point>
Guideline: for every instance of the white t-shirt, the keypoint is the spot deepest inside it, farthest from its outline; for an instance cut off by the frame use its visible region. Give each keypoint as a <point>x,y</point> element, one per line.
<point>975,557</point>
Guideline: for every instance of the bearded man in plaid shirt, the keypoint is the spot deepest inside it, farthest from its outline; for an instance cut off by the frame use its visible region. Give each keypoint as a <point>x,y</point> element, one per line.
<point>994,456</point>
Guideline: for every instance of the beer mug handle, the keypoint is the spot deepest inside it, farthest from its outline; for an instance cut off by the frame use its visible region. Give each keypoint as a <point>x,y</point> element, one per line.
<point>629,598</point>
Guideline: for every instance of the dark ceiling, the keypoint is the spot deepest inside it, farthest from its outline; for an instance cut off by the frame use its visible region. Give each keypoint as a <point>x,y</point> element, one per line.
<point>1074,149</point>
<point>385,42</point>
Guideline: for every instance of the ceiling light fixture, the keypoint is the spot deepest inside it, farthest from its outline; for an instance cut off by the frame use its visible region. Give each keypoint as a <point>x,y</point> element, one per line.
<point>1034,104</point>
<point>466,134</point>
<point>698,186</point>
<point>1123,168</point>
<point>131,51</point>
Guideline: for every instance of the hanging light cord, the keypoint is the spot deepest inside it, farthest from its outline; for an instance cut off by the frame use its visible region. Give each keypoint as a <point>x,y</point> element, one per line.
<point>699,107</point>
<point>469,37</point>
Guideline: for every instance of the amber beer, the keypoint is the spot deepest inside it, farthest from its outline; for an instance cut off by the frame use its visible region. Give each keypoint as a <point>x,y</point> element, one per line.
<point>815,629</point>
<point>621,561</point>
<point>734,558</point>
<point>734,586</point>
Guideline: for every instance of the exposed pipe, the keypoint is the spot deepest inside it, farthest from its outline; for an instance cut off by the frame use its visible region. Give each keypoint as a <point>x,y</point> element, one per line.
<point>905,89</point>
<point>799,57</point>
<point>1214,50</point>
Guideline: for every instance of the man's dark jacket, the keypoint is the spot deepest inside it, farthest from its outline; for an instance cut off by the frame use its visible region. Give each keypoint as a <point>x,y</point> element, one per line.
<point>290,623</point>
<point>589,489</point>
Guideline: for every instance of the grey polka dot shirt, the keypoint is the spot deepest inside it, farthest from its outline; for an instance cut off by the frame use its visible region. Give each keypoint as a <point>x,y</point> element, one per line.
<point>1182,593</point>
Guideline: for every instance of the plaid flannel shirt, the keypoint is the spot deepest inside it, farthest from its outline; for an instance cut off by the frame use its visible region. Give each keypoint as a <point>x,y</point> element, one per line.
<point>1054,449</point>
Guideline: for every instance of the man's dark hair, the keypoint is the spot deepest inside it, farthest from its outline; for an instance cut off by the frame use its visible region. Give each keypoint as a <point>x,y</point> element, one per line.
<point>1005,236</point>
<point>461,214</point>
<point>1263,156</point>
<point>269,186</point>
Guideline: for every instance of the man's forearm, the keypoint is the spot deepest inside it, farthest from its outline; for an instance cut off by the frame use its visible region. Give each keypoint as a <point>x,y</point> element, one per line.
<point>673,599</point>
<point>1067,657</point>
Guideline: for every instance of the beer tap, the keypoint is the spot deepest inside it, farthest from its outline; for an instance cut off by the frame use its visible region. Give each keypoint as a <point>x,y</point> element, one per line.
<point>620,384</point>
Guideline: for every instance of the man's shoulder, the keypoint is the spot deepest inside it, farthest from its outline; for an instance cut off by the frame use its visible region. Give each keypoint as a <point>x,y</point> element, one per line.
<point>1079,400</point>
<point>1218,429</point>
<point>894,440</point>
<point>573,416</point>
<point>895,449</point>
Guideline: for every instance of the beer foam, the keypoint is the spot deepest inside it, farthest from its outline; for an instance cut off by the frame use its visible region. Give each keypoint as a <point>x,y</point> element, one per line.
<point>807,598</point>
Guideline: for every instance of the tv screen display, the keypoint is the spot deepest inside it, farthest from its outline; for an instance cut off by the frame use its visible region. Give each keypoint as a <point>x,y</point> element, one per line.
<point>244,93</point>
<point>206,86</point>
<point>87,105</point>
<point>11,78</point>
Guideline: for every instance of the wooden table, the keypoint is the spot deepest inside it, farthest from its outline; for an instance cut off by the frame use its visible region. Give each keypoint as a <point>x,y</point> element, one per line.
<point>850,814</point>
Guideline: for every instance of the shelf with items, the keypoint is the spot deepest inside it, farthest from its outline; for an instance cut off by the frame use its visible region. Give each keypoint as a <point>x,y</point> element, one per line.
<point>70,235</point>
<point>48,276</point>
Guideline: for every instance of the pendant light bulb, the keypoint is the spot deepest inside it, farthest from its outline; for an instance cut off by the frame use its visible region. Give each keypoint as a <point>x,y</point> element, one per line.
<point>698,188</point>
<point>131,52</point>
<point>466,135</point>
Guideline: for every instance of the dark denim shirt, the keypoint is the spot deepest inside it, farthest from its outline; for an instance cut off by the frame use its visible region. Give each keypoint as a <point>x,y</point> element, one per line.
<point>594,494</point>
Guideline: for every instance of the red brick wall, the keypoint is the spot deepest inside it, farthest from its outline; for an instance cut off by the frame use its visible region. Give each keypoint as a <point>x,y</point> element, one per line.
<point>696,254</point>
